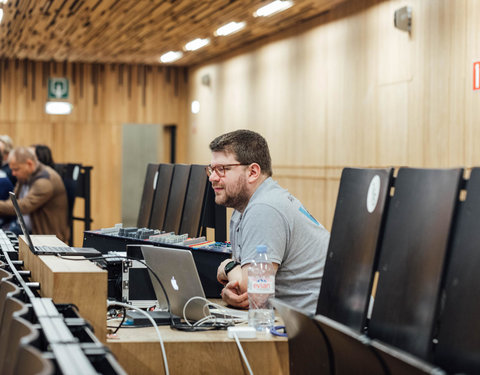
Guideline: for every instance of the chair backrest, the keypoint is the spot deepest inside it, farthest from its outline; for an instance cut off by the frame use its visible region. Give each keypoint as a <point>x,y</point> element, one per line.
<point>148,193</point>
<point>159,208</point>
<point>5,275</point>
<point>31,362</point>
<point>194,201</point>
<point>176,198</point>
<point>352,251</point>
<point>458,348</point>
<point>20,332</point>
<point>7,289</point>
<point>307,346</point>
<point>351,351</point>
<point>412,257</point>
<point>399,362</point>
<point>12,307</point>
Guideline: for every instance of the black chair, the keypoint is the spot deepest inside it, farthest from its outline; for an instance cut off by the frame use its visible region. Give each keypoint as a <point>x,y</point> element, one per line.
<point>352,251</point>
<point>458,348</point>
<point>159,209</point>
<point>148,193</point>
<point>194,201</point>
<point>351,350</point>
<point>412,258</point>
<point>308,349</point>
<point>399,362</point>
<point>176,198</point>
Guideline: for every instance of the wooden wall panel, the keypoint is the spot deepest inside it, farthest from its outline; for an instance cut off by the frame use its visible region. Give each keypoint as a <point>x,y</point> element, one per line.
<point>351,90</point>
<point>104,97</point>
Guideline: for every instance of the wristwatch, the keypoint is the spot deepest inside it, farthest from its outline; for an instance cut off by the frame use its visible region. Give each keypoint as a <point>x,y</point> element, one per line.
<point>230,266</point>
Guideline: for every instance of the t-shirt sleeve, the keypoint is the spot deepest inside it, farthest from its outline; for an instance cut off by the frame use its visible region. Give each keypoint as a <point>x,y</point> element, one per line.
<point>264,225</point>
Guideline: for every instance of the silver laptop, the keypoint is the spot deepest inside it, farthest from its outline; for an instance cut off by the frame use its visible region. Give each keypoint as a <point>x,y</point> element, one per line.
<point>49,250</point>
<point>177,271</point>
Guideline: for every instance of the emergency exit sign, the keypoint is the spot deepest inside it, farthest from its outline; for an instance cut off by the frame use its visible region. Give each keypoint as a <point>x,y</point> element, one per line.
<point>476,75</point>
<point>57,88</point>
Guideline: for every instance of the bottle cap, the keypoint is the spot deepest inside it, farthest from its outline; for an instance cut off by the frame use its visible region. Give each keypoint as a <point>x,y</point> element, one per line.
<point>261,249</point>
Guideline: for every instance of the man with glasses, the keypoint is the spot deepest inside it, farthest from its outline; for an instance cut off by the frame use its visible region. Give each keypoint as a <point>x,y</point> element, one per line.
<point>264,214</point>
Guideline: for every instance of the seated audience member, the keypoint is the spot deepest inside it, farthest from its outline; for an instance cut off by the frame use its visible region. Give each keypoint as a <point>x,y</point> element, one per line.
<point>6,145</point>
<point>41,195</point>
<point>265,214</point>
<point>44,155</point>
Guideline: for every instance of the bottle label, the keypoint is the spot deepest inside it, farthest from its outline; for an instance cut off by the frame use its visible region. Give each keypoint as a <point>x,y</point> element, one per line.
<point>264,284</point>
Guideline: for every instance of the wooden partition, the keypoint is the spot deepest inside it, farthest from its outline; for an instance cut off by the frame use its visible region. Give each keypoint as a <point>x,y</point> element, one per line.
<point>349,89</point>
<point>104,97</point>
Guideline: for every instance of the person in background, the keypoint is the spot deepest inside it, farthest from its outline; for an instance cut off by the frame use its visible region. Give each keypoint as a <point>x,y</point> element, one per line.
<point>41,195</point>
<point>264,214</point>
<point>6,145</point>
<point>44,155</point>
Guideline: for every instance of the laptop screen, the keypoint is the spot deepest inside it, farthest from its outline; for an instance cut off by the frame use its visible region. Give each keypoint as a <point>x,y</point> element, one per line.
<point>16,207</point>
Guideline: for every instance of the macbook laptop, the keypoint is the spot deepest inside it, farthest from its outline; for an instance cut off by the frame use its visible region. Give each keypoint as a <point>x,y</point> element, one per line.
<point>177,271</point>
<point>49,250</point>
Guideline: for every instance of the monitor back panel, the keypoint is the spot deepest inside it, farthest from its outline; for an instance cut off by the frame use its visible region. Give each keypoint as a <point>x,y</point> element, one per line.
<point>159,209</point>
<point>194,201</point>
<point>147,196</point>
<point>352,251</point>
<point>458,345</point>
<point>412,257</point>
<point>176,198</point>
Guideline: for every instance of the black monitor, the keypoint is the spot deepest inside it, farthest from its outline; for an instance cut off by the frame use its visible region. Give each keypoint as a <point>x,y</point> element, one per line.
<point>149,187</point>
<point>159,209</point>
<point>352,251</point>
<point>412,258</point>
<point>176,198</point>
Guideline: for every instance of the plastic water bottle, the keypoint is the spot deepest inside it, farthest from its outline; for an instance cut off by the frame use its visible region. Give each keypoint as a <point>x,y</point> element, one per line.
<point>261,288</point>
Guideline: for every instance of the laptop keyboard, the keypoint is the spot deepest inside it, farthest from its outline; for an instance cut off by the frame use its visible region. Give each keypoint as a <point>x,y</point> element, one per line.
<point>55,249</point>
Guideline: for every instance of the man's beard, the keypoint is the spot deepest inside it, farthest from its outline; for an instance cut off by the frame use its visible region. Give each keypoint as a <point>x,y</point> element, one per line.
<point>237,199</point>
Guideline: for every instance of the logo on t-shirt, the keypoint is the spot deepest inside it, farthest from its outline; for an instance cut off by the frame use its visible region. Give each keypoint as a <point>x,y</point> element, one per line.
<point>307,214</point>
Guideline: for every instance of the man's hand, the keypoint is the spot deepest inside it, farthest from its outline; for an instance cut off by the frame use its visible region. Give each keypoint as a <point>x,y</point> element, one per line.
<point>232,295</point>
<point>221,276</point>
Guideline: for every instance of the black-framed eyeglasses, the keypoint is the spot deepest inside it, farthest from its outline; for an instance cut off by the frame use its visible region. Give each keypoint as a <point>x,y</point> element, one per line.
<point>220,169</point>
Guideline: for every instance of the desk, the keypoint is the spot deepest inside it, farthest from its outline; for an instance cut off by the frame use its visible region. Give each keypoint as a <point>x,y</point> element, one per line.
<point>212,352</point>
<point>64,281</point>
<point>138,349</point>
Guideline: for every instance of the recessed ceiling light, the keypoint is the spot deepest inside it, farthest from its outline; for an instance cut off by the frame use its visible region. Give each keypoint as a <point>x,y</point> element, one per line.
<point>171,56</point>
<point>272,8</point>
<point>58,108</point>
<point>196,44</point>
<point>195,107</point>
<point>230,28</point>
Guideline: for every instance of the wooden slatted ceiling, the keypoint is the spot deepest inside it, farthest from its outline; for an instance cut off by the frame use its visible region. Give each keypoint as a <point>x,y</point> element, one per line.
<point>137,31</point>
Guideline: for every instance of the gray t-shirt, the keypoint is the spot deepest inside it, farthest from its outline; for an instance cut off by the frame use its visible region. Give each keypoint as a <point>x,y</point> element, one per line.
<point>295,241</point>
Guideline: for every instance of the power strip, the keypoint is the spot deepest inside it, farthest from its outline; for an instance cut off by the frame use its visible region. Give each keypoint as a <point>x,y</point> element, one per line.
<point>242,332</point>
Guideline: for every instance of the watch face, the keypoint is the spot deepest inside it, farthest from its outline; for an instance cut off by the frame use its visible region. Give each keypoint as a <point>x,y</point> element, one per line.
<point>229,266</point>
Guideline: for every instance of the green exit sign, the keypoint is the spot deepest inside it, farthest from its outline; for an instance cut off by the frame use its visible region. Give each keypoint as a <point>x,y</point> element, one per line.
<point>57,88</point>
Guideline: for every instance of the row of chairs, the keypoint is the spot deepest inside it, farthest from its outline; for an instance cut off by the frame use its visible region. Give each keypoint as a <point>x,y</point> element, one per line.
<point>39,337</point>
<point>417,235</point>
<point>178,198</point>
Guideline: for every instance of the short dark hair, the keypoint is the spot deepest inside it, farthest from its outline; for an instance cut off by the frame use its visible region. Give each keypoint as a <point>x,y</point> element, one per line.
<point>247,146</point>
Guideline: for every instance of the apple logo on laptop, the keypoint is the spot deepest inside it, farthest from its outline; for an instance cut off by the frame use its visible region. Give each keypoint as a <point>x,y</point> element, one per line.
<point>174,283</point>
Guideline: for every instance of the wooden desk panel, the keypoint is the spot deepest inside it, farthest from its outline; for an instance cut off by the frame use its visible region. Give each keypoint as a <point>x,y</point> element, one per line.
<point>138,351</point>
<point>81,283</point>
